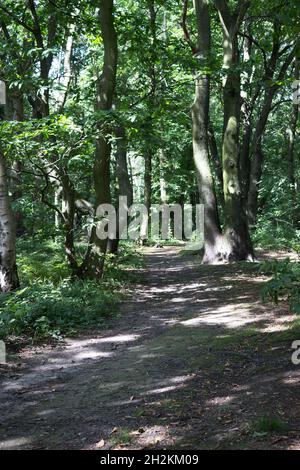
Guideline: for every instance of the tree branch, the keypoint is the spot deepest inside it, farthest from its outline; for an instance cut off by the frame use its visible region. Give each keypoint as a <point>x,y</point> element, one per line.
<point>16,19</point>
<point>224,13</point>
<point>241,12</point>
<point>37,29</point>
<point>256,43</point>
<point>183,24</point>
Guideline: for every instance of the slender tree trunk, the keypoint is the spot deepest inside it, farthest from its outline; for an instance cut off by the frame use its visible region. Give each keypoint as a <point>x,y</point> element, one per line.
<point>125,188</point>
<point>291,141</point>
<point>67,69</point>
<point>148,188</point>
<point>94,260</point>
<point>258,157</point>
<point>15,112</point>
<point>8,269</point>
<point>162,179</point>
<point>148,180</point>
<point>68,213</point>
<point>200,121</point>
<point>152,73</point>
<point>57,203</point>
<point>17,193</point>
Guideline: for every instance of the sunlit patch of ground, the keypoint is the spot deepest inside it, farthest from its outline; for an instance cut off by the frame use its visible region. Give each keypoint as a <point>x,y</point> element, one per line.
<point>193,362</point>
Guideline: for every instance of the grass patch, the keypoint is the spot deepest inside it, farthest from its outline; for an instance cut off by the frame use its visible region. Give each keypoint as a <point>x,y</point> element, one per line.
<point>269,424</point>
<point>50,305</point>
<point>121,437</point>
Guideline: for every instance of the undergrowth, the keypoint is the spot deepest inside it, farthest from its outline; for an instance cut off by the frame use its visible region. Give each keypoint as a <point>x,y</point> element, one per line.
<point>285,283</point>
<point>50,305</point>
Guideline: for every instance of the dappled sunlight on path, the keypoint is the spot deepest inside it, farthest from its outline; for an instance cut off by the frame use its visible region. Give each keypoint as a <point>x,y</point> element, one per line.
<point>192,361</point>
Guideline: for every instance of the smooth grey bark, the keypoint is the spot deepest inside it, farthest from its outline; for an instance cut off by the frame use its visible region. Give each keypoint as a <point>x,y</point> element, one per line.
<point>9,279</point>
<point>94,259</point>
<point>291,161</point>
<point>67,69</point>
<point>148,154</point>
<point>122,172</point>
<point>17,193</point>
<point>125,188</point>
<point>200,122</point>
<point>238,245</point>
<point>162,179</point>
<point>16,113</point>
<point>148,180</point>
<point>216,162</point>
<point>204,144</point>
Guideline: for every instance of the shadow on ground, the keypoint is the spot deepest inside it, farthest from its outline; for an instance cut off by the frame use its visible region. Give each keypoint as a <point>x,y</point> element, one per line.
<point>194,361</point>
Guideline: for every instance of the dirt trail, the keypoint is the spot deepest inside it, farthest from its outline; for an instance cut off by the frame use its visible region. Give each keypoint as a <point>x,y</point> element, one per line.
<point>192,362</point>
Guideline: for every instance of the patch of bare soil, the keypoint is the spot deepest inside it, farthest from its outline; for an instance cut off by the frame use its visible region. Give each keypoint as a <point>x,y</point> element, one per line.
<point>194,362</point>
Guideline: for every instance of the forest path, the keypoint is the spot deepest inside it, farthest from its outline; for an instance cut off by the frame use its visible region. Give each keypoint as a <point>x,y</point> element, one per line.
<point>192,362</point>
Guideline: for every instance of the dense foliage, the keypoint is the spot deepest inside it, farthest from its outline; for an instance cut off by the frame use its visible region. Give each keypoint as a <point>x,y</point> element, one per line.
<point>99,97</point>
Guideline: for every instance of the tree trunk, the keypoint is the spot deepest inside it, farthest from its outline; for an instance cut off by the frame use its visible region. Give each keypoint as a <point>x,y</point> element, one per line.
<point>162,180</point>
<point>16,113</point>
<point>216,162</point>
<point>68,212</point>
<point>94,260</point>
<point>258,157</point>
<point>67,70</point>
<point>200,121</point>
<point>247,107</point>
<point>236,232</point>
<point>17,193</point>
<point>148,180</point>
<point>291,141</point>
<point>8,269</point>
<point>124,185</point>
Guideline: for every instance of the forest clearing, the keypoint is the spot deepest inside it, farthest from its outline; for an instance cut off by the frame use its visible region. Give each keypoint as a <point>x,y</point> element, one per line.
<point>149,225</point>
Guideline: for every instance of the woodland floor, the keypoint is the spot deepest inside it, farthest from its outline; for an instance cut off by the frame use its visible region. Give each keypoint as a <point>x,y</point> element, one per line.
<point>194,360</point>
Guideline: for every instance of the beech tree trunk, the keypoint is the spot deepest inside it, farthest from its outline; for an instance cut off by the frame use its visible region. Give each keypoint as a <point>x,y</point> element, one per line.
<point>8,269</point>
<point>68,213</point>
<point>200,121</point>
<point>216,161</point>
<point>124,184</point>
<point>258,157</point>
<point>162,180</point>
<point>148,180</point>
<point>291,141</point>
<point>94,260</point>
<point>66,80</point>
<point>236,232</point>
<point>17,114</point>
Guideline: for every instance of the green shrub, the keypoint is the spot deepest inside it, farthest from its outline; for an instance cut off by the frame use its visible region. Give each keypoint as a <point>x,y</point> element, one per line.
<point>51,305</point>
<point>285,283</point>
<point>46,310</point>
